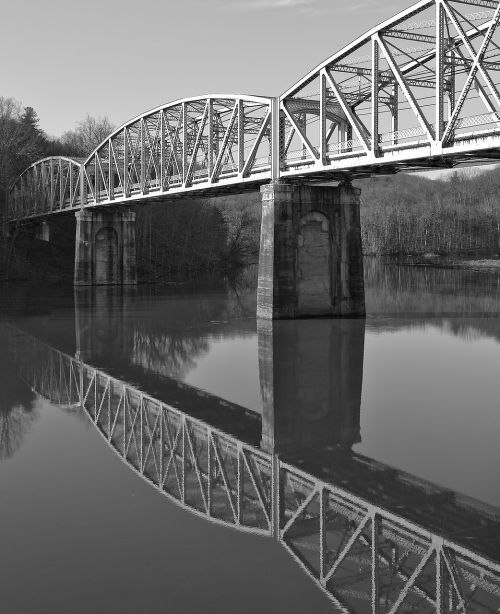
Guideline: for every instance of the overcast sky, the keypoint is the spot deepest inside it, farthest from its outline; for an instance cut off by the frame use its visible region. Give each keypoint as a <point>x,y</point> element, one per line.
<point>121,58</point>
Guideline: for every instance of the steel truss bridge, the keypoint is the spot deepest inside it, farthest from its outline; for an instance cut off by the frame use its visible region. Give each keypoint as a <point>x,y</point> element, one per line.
<point>363,551</point>
<point>418,91</point>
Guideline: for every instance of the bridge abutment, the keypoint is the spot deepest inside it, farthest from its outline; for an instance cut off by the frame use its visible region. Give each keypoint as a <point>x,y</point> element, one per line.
<point>105,252</point>
<point>310,261</point>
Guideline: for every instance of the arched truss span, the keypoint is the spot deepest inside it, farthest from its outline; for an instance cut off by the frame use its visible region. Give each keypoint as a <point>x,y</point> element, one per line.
<point>422,86</point>
<point>186,145</point>
<point>48,186</point>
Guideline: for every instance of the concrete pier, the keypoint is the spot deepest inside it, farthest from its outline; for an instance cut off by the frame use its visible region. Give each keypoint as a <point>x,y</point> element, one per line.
<point>310,261</point>
<point>105,252</point>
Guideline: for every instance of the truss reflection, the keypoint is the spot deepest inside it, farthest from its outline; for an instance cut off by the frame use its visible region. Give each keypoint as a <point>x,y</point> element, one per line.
<point>373,538</point>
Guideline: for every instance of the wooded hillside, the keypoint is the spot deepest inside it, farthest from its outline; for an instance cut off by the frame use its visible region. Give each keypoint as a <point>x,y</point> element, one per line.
<point>408,214</point>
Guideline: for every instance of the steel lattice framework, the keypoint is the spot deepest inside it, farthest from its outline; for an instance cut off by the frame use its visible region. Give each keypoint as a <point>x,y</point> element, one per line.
<point>365,558</point>
<point>183,146</point>
<point>47,186</point>
<point>408,91</point>
<point>418,91</point>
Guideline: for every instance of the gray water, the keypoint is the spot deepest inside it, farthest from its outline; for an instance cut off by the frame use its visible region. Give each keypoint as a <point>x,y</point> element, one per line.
<point>414,388</point>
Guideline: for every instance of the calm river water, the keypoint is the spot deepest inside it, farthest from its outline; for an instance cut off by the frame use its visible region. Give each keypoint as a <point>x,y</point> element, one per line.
<point>401,410</point>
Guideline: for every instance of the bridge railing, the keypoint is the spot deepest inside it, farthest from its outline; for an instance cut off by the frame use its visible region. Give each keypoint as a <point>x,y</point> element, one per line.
<point>359,553</point>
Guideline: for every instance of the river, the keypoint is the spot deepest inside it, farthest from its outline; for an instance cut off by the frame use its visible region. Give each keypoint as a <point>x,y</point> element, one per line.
<point>399,411</point>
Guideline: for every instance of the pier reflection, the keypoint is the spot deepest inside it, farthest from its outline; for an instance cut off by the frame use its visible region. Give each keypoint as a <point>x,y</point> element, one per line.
<point>156,348</point>
<point>311,375</point>
<point>373,538</point>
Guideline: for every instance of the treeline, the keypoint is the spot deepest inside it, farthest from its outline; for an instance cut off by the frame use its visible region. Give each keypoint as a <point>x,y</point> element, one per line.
<point>195,235</point>
<point>23,142</point>
<point>401,215</point>
<point>408,214</point>
<point>180,236</point>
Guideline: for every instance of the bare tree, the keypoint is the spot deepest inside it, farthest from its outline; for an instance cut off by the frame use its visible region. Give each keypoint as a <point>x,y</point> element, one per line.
<point>88,134</point>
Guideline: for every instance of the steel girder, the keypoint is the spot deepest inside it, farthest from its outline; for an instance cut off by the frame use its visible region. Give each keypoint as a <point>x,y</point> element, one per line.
<point>363,556</point>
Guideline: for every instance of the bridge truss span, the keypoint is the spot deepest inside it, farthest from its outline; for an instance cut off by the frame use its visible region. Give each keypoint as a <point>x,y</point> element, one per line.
<point>183,146</point>
<point>50,185</point>
<point>419,90</point>
<point>190,145</point>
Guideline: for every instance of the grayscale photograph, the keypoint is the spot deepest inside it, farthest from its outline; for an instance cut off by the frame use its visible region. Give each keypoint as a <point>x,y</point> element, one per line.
<point>250,307</point>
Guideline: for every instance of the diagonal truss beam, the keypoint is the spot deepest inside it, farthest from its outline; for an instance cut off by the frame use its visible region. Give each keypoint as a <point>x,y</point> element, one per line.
<point>301,132</point>
<point>253,152</point>
<point>229,130</point>
<point>406,91</point>
<point>351,116</point>
<point>199,136</point>
<point>214,442</point>
<point>476,65</point>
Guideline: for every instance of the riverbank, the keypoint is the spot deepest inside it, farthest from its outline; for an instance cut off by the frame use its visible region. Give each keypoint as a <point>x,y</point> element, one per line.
<point>480,265</point>
<point>490,263</point>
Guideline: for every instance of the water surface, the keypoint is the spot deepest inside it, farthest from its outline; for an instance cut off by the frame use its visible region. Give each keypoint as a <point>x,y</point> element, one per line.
<point>412,392</point>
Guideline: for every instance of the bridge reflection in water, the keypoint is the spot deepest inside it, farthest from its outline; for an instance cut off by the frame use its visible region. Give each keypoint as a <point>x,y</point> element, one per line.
<point>373,538</point>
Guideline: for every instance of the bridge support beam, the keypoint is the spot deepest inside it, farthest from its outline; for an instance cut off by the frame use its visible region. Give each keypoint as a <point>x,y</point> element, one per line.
<point>105,248</point>
<point>310,262</point>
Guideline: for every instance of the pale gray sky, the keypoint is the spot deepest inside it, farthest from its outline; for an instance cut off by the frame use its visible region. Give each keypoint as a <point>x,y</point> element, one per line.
<point>120,58</point>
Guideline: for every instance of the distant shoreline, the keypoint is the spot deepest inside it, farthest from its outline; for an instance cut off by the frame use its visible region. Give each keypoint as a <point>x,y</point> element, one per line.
<point>487,264</point>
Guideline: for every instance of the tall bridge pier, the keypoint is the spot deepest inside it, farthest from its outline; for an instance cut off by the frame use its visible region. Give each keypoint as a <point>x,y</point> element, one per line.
<point>311,260</point>
<point>105,252</point>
